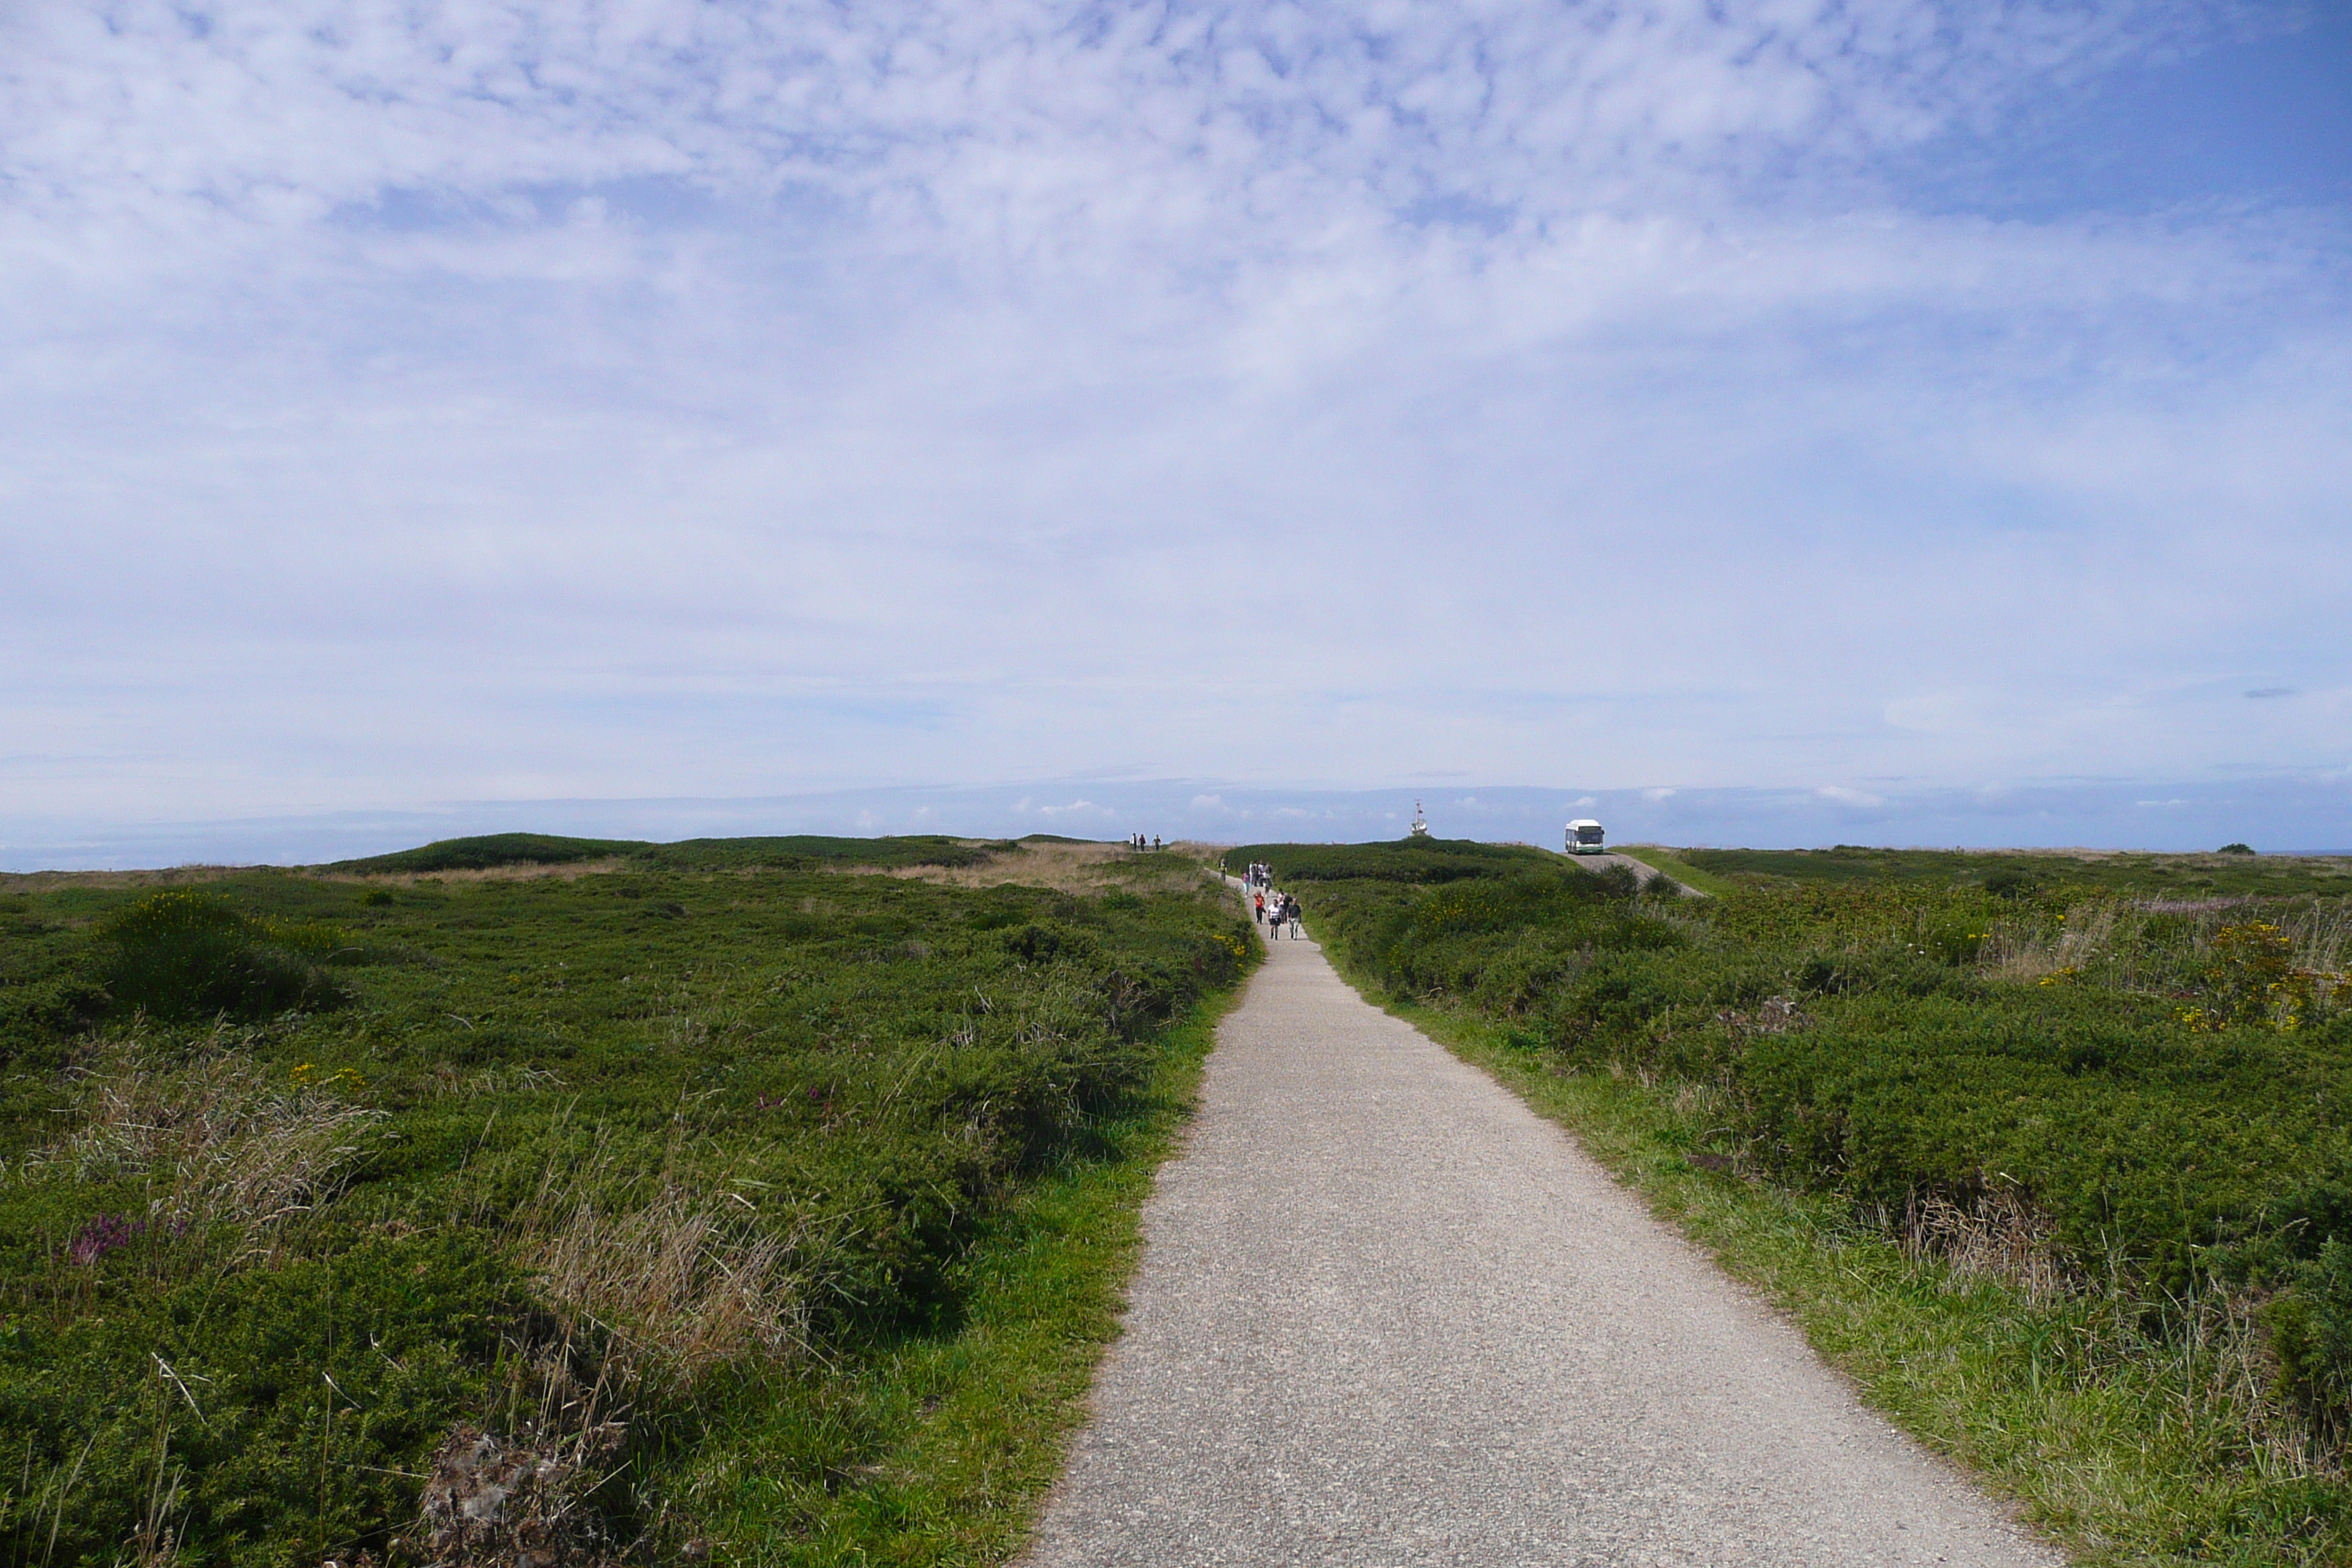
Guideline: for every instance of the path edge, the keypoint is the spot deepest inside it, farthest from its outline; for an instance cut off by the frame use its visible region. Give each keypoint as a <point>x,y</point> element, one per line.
<point>1476,1043</point>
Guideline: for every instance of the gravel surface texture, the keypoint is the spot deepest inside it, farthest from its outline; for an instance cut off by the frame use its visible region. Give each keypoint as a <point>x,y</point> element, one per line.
<point>1387,1315</point>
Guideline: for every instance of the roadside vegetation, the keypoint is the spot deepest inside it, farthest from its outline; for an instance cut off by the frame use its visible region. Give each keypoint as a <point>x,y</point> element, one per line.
<point>2049,1152</point>
<point>468,1206</point>
<point>1673,863</point>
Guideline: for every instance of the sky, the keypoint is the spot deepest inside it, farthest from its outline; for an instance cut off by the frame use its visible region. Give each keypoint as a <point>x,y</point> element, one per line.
<point>1862,416</point>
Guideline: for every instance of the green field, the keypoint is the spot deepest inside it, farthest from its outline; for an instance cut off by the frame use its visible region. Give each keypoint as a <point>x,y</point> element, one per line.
<point>2048,1150</point>
<point>2142,874</point>
<point>745,1207</point>
<point>802,852</point>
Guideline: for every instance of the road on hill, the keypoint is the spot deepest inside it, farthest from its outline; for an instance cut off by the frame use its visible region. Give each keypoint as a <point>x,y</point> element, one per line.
<point>1387,1315</point>
<point>1642,873</point>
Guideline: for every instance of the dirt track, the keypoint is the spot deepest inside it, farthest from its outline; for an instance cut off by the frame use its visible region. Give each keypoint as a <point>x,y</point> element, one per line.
<point>1387,1315</point>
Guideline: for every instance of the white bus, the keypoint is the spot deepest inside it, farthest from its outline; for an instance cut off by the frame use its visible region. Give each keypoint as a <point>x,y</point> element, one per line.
<point>1584,837</point>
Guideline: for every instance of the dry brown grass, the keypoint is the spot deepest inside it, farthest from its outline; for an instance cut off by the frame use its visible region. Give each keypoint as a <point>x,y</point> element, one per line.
<point>2001,1238</point>
<point>2024,950</point>
<point>683,1280</point>
<point>449,1081</point>
<point>1088,870</point>
<point>217,1138</point>
<point>2229,1378</point>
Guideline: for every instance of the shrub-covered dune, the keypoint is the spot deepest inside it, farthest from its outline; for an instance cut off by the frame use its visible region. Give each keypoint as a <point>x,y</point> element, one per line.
<point>634,1197</point>
<point>2108,1091</point>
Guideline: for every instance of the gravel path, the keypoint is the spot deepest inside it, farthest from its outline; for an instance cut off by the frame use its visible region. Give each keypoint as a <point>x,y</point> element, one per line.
<point>1386,1315</point>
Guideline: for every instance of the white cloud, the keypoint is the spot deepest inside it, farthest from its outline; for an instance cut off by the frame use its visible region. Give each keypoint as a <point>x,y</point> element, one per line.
<point>1846,797</point>
<point>406,402</point>
<point>1208,803</point>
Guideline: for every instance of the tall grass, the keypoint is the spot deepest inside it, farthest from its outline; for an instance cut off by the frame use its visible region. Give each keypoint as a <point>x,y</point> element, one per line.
<point>217,1138</point>
<point>677,1279</point>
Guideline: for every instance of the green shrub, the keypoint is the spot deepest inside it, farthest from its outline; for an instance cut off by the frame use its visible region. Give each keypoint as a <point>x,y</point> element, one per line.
<point>181,953</point>
<point>62,1002</point>
<point>268,1395</point>
<point>718,1165</point>
<point>1044,941</point>
<point>2011,882</point>
<point>2310,1327</point>
<point>1502,942</point>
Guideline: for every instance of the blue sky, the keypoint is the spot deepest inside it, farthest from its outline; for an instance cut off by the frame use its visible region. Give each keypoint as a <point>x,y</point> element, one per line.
<point>1763,400</point>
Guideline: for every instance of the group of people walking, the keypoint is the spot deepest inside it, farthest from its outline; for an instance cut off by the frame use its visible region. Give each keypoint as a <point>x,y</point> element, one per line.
<point>1137,841</point>
<point>1274,910</point>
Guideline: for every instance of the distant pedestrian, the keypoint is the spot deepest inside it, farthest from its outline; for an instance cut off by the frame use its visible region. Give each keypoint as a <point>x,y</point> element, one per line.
<point>1290,915</point>
<point>1257,907</point>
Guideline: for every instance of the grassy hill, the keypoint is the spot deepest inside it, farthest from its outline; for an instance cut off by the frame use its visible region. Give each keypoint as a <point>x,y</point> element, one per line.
<point>1414,860</point>
<point>798,851</point>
